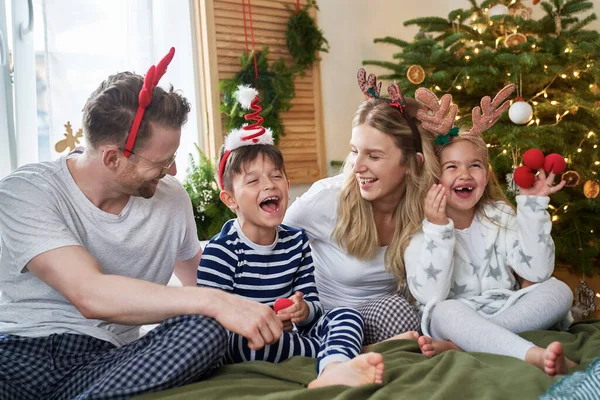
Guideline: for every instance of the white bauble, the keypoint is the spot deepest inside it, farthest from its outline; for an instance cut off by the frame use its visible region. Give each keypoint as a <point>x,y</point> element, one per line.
<point>520,112</point>
<point>498,9</point>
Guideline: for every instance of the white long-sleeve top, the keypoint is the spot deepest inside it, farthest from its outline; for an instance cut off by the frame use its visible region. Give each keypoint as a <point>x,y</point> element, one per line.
<point>438,267</point>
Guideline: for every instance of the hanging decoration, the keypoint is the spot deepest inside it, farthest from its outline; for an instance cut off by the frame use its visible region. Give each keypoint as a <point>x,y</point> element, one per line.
<point>275,84</point>
<point>498,10</point>
<point>515,39</point>
<point>571,178</point>
<point>415,74</point>
<point>591,189</point>
<point>585,299</point>
<point>70,141</point>
<point>303,38</point>
<point>520,112</point>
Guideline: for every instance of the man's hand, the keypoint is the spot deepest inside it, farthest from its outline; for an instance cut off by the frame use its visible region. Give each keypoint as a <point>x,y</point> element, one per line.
<point>294,314</point>
<point>435,205</point>
<point>254,321</point>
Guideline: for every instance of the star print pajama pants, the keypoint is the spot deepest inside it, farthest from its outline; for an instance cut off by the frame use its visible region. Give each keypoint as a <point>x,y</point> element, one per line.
<point>335,337</point>
<point>70,366</point>
<point>389,316</point>
<point>541,308</point>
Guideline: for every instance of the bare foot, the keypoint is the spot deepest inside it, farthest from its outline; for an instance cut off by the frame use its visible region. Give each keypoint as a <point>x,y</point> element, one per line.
<point>410,335</point>
<point>431,347</point>
<point>365,368</point>
<point>551,360</point>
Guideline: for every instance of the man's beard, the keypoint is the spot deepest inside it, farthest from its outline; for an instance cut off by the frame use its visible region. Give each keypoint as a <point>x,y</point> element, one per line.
<point>134,185</point>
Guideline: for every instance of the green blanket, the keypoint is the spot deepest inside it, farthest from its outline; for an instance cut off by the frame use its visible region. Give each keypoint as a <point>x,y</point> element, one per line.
<point>408,374</point>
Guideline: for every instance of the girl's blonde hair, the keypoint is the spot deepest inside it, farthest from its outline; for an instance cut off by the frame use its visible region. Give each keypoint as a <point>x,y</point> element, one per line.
<point>493,191</point>
<point>355,230</point>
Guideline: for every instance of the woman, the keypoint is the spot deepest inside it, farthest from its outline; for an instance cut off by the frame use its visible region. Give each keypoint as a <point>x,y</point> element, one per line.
<point>360,221</point>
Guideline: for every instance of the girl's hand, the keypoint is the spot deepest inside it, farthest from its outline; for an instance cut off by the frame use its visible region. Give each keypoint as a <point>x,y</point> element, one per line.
<point>296,313</point>
<point>542,186</point>
<point>435,205</point>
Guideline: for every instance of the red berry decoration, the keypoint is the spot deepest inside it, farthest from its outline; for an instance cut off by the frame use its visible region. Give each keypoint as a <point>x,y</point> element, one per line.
<point>555,163</point>
<point>524,177</point>
<point>282,304</point>
<point>534,159</point>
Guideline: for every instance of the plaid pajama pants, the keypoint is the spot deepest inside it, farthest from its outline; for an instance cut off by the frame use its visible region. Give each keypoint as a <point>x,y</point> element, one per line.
<point>70,366</point>
<point>388,316</point>
<point>336,336</point>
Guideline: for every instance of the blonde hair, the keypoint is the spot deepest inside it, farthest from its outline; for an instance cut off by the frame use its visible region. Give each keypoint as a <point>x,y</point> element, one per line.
<point>355,229</point>
<point>493,191</point>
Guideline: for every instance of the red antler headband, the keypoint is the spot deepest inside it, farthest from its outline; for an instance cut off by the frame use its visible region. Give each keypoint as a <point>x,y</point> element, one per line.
<point>248,134</point>
<point>150,81</point>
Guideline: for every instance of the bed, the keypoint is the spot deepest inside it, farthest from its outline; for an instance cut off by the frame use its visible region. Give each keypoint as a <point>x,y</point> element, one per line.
<point>409,375</point>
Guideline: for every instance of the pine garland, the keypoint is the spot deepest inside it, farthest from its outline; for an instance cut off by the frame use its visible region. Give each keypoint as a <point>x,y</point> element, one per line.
<point>303,38</point>
<point>276,87</point>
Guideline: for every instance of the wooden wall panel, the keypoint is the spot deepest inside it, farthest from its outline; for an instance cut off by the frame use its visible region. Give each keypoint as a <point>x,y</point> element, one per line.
<point>222,39</point>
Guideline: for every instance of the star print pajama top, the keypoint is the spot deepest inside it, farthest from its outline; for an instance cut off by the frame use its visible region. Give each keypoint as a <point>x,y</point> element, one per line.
<point>477,267</point>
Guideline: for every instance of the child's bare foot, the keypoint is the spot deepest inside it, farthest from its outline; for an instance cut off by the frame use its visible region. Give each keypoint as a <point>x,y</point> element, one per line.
<point>551,360</point>
<point>365,368</point>
<point>431,347</point>
<point>410,335</point>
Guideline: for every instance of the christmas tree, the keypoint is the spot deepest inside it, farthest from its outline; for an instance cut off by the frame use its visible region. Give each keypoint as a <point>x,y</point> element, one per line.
<point>554,63</point>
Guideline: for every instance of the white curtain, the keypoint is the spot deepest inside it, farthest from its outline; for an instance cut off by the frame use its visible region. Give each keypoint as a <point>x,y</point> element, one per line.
<point>86,41</point>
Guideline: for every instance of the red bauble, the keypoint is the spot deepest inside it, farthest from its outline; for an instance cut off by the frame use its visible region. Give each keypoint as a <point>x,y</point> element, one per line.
<point>524,177</point>
<point>534,159</point>
<point>282,304</point>
<point>555,163</point>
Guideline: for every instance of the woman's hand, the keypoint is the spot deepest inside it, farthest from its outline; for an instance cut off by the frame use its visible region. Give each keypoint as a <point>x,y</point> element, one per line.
<point>435,205</point>
<point>542,186</point>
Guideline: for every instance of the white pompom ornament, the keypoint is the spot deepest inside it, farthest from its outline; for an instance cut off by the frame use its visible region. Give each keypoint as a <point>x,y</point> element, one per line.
<point>520,112</point>
<point>498,9</point>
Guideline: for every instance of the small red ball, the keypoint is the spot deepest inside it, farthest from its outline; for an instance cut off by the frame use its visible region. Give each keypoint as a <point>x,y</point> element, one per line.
<point>282,304</point>
<point>534,159</point>
<point>555,163</point>
<point>524,177</point>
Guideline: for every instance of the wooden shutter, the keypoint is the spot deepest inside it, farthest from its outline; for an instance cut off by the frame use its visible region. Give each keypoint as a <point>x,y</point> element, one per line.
<point>222,42</point>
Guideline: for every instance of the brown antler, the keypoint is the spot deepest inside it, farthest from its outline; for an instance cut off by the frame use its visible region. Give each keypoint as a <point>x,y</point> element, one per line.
<point>368,85</point>
<point>440,115</point>
<point>487,115</point>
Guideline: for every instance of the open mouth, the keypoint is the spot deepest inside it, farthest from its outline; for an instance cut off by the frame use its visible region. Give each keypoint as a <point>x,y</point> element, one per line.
<point>366,182</point>
<point>463,192</point>
<point>270,204</point>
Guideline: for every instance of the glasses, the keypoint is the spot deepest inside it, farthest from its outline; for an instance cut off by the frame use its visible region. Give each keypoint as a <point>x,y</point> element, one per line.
<point>164,167</point>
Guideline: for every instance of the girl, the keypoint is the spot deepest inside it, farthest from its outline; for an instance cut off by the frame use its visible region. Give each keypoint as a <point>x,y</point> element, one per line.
<point>461,267</point>
<point>359,222</point>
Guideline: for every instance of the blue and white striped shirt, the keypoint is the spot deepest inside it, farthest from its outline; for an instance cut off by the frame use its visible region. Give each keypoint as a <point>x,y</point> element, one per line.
<point>233,263</point>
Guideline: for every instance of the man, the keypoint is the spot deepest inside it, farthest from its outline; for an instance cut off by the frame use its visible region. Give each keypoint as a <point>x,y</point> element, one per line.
<point>88,243</point>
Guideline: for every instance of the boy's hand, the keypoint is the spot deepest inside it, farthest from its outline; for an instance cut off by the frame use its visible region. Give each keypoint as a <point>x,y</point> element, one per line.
<point>296,313</point>
<point>542,186</point>
<point>435,205</point>
<point>255,321</point>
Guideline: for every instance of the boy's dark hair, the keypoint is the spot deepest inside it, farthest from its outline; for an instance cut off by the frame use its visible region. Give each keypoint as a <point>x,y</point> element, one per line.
<point>242,156</point>
<point>109,111</point>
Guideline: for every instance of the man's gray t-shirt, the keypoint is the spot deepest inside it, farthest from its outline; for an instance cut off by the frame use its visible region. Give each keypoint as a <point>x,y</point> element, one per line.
<point>41,209</point>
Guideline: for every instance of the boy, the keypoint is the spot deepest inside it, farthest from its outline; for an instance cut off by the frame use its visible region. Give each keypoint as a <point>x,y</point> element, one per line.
<point>257,258</point>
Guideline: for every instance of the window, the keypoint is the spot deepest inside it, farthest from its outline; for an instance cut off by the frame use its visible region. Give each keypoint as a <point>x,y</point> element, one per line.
<point>75,45</point>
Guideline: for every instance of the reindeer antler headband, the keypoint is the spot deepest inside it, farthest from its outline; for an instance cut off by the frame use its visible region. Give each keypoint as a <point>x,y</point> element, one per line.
<point>145,97</point>
<point>371,90</point>
<point>440,114</point>
<point>248,134</point>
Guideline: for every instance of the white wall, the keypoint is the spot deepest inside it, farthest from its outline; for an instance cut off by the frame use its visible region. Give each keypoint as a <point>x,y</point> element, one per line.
<point>350,27</point>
